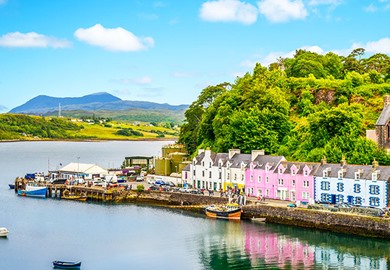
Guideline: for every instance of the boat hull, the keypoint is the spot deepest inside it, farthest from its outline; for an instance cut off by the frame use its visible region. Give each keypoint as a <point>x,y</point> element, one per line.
<point>223,214</point>
<point>11,186</point>
<point>66,265</point>
<point>3,232</point>
<point>39,192</point>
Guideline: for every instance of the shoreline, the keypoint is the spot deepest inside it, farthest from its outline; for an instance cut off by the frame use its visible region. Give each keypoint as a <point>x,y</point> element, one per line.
<point>92,140</point>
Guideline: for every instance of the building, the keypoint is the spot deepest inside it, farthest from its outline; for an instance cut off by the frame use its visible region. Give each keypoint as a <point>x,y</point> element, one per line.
<point>82,170</point>
<point>173,160</point>
<point>381,134</point>
<point>361,185</point>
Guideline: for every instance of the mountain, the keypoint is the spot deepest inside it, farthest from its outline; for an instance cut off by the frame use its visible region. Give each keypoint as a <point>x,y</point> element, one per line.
<point>102,104</point>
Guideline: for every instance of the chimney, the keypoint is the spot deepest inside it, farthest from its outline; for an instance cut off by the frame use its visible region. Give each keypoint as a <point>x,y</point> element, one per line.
<point>386,100</point>
<point>323,160</point>
<point>343,161</point>
<point>232,152</point>
<point>375,164</point>
<point>207,152</point>
<point>256,153</point>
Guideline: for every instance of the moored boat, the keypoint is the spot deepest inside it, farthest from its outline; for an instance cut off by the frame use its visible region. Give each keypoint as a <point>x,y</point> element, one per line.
<point>258,220</point>
<point>33,191</point>
<point>66,265</point>
<point>3,232</point>
<point>75,197</point>
<point>11,186</point>
<point>229,211</point>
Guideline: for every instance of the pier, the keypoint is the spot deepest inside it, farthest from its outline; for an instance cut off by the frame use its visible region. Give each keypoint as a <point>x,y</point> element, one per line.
<point>58,190</point>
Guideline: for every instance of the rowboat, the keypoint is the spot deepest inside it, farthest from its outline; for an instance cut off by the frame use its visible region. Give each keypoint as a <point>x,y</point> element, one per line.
<point>33,191</point>
<point>66,265</point>
<point>3,232</point>
<point>258,220</point>
<point>229,211</point>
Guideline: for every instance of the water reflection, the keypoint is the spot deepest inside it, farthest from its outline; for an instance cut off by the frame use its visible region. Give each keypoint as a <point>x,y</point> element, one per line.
<point>270,246</point>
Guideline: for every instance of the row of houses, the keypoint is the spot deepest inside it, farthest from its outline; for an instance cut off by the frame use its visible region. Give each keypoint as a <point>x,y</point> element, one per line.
<point>273,177</point>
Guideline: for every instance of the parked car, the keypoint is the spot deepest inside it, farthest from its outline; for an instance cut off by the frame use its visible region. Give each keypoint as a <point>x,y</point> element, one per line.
<point>171,184</point>
<point>291,205</point>
<point>185,189</point>
<point>154,187</point>
<point>159,182</point>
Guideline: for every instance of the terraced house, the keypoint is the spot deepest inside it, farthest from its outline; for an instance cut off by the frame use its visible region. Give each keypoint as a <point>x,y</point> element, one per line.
<point>362,185</point>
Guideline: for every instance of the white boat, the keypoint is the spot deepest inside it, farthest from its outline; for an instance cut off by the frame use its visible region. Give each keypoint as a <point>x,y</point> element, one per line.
<point>3,232</point>
<point>33,191</point>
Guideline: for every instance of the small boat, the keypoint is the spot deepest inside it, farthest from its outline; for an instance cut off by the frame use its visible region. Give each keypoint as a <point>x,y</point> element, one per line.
<point>66,265</point>
<point>33,191</point>
<point>71,196</point>
<point>3,232</point>
<point>11,186</point>
<point>229,211</point>
<point>258,220</point>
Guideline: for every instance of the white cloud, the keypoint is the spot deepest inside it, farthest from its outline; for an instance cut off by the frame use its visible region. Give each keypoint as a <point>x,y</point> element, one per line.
<point>370,8</point>
<point>2,2</point>
<point>325,2</point>
<point>229,11</point>
<point>32,39</point>
<point>282,10</point>
<point>113,39</point>
<point>380,46</point>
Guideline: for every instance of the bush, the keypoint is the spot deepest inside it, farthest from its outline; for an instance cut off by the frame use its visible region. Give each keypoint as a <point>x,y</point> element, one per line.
<point>140,188</point>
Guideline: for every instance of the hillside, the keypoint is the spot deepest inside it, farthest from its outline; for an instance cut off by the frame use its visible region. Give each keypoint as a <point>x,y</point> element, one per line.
<point>103,105</point>
<point>304,108</point>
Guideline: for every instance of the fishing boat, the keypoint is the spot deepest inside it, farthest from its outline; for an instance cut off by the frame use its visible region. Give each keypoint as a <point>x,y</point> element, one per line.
<point>33,191</point>
<point>66,265</point>
<point>228,211</point>
<point>11,186</point>
<point>3,232</point>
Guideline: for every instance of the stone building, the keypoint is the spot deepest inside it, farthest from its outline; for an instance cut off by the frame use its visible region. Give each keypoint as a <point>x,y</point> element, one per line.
<point>381,134</point>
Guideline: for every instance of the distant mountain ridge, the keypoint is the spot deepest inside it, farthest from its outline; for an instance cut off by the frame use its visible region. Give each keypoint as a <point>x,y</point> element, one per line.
<point>102,101</point>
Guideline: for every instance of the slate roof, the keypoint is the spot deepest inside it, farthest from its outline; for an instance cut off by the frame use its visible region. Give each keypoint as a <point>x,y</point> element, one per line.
<point>238,158</point>
<point>300,165</point>
<point>187,167</point>
<point>261,160</point>
<point>383,117</point>
<point>220,156</point>
<point>350,170</point>
<point>199,158</point>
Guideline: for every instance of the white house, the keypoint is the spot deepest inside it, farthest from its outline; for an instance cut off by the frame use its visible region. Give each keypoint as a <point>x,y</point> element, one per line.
<point>362,185</point>
<point>82,170</point>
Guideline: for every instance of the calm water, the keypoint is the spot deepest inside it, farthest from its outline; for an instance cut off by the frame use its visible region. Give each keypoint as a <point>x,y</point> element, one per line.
<point>140,237</point>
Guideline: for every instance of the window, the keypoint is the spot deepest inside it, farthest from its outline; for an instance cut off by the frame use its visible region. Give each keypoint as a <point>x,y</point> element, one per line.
<point>305,195</point>
<point>202,163</point>
<point>340,187</point>
<point>374,189</point>
<point>210,165</point>
<point>357,175</point>
<point>305,183</point>
<point>325,173</point>
<point>228,176</point>
<point>251,178</point>
<point>202,173</point>
<point>324,197</point>
<point>219,165</point>
<point>209,174</point>
<point>259,179</point>
<point>340,199</point>
<point>260,192</point>
<point>357,201</point>
<point>266,192</point>
<point>220,175</point>
<point>280,170</point>
<point>293,183</point>
<point>266,179</point>
<point>293,172</point>
<point>325,185</point>
<point>235,176</point>
<point>340,174</point>
<point>374,201</point>
<point>356,188</point>
<point>374,176</point>
<point>194,172</point>
<point>305,172</point>
<point>280,182</point>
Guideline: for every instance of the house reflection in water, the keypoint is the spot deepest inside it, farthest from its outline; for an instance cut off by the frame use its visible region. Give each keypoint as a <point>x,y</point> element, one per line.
<point>278,249</point>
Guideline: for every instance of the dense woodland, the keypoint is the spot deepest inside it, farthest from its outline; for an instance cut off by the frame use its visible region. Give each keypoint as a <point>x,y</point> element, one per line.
<point>304,108</point>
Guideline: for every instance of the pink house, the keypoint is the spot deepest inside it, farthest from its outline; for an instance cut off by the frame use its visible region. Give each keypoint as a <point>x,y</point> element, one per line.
<point>294,181</point>
<point>259,175</point>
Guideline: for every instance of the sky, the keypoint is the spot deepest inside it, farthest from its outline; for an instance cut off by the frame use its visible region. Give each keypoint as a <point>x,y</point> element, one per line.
<point>168,51</point>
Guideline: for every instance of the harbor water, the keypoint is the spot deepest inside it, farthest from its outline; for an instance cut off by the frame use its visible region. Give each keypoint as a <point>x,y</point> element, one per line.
<point>127,236</point>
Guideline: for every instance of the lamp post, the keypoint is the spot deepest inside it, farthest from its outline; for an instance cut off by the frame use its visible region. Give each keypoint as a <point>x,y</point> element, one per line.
<point>78,167</point>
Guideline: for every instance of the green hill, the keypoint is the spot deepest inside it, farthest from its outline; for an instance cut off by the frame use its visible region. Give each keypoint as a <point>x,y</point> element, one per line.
<point>304,108</point>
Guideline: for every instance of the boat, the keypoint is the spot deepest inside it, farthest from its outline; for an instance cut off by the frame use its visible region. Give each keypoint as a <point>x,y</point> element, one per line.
<point>72,196</point>
<point>228,211</point>
<point>258,220</point>
<point>11,186</point>
<point>59,181</point>
<point>3,232</point>
<point>33,191</point>
<point>66,265</point>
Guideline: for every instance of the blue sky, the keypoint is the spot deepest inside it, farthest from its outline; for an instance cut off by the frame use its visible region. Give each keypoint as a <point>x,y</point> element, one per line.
<point>168,51</point>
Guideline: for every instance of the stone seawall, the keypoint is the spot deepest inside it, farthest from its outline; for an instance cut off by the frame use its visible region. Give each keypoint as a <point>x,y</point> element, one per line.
<point>303,217</point>
<point>335,222</point>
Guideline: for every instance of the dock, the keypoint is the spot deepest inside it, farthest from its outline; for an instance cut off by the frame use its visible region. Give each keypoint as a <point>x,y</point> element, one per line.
<point>96,193</point>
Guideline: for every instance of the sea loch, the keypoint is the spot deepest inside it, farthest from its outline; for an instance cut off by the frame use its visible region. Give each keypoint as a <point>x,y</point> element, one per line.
<point>107,236</point>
